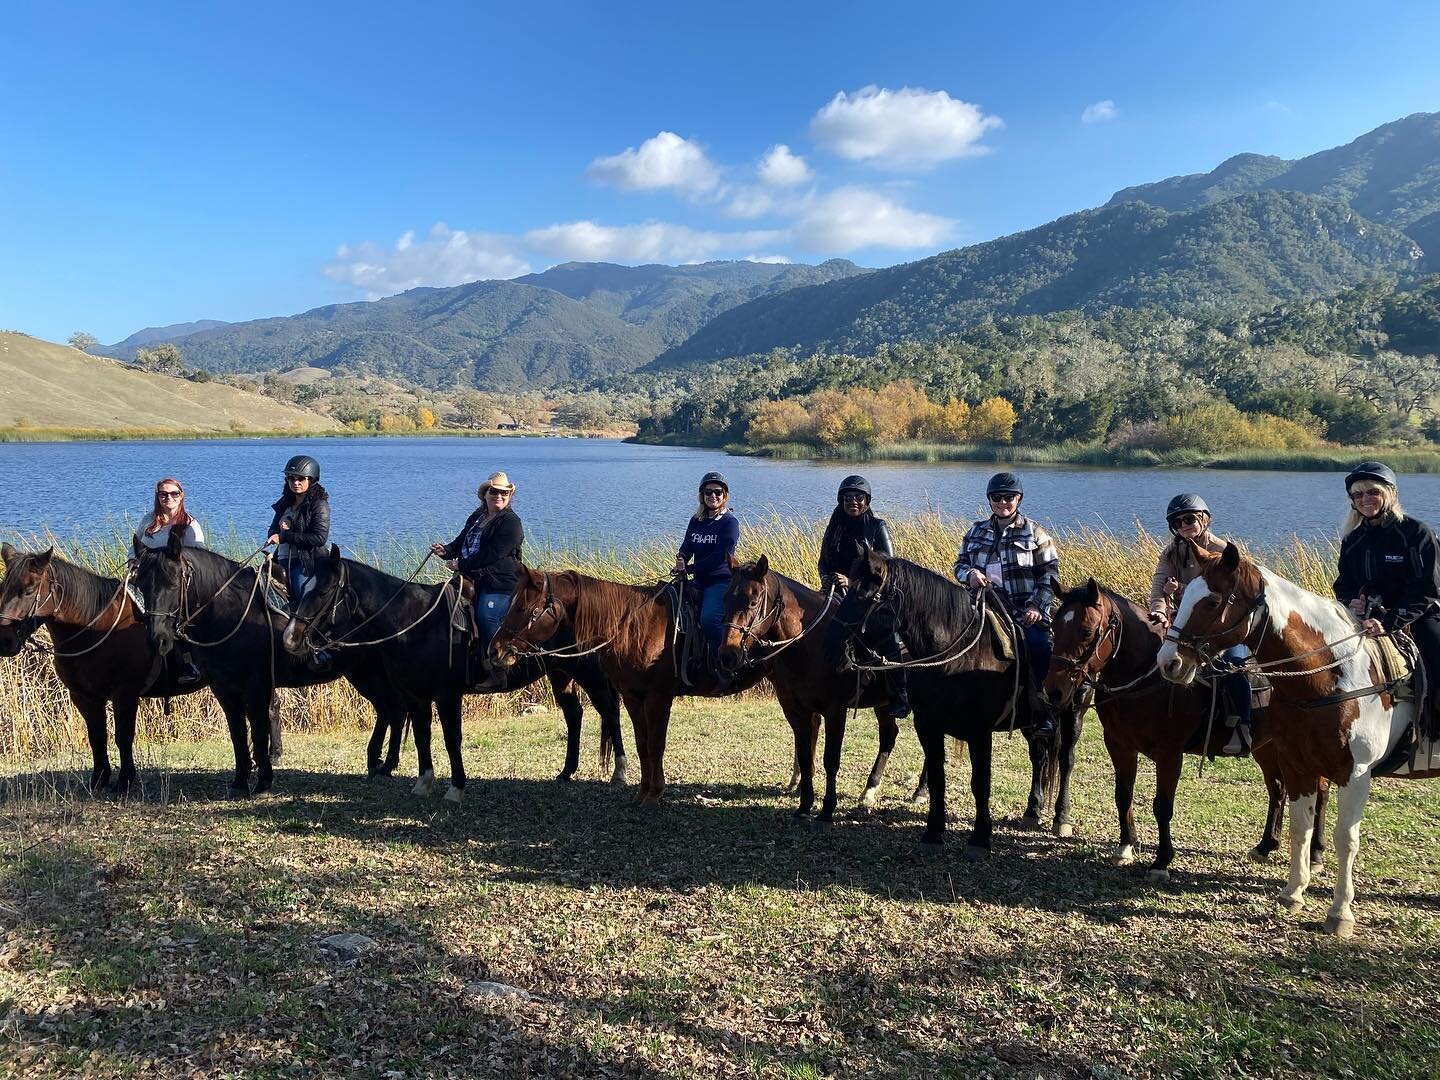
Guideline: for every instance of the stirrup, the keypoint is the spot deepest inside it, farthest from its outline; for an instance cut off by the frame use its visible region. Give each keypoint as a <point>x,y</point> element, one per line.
<point>1239,744</point>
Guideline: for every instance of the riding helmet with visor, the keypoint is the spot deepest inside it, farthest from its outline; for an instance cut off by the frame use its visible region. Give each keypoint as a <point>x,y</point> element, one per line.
<point>715,478</point>
<point>1005,483</point>
<point>302,465</point>
<point>856,483</point>
<point>1187,503</point>
<point>1371,470</point>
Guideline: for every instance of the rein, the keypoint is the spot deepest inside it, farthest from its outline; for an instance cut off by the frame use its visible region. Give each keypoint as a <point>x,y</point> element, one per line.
<point>344,595</point>
<point>772,612</point>
<point>945,656</point>
<point>56,592</point>
<point>568,652</point>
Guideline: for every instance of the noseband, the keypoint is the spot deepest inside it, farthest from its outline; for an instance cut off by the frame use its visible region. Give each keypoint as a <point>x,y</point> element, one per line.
<point>519,642</point>
<point>1082,675</point>
<point>35,616</point>
<point>1204,645</point>
<point>338,596</point>
<point>751,631</point>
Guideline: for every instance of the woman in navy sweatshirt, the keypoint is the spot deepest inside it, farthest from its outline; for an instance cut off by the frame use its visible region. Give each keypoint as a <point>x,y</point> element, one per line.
<point>710,540</point>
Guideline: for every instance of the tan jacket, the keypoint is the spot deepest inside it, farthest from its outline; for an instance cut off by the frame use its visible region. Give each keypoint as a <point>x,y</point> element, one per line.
<point>1177,560</point>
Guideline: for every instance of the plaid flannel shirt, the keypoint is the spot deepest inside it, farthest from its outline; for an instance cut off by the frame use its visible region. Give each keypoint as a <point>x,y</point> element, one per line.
<point>1027,558</point>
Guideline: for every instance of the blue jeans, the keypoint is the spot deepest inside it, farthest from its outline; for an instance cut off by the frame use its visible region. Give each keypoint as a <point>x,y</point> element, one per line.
<point>490,609</point>
<point>300,581</point>
<point>1038,648</point>
<point>1237,683</point>
<point>712,614</point>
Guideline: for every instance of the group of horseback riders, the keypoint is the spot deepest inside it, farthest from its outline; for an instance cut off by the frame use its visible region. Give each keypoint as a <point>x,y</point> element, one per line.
<point>1388,574</point>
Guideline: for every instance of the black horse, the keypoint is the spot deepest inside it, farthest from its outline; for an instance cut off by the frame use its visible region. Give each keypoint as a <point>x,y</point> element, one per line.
<point>218,606</point>
<point>960,682</point>
<point>356,609</point>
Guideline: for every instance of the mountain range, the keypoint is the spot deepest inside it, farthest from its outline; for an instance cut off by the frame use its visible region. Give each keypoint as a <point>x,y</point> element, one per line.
<point>1253,232</point>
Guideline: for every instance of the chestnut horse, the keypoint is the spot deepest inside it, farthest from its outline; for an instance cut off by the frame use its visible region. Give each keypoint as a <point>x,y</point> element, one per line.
<point>772,618</point>
<point>1332,717</point>
<point>100,650</point>
<point>1105,644</point>
<point>629,628</point>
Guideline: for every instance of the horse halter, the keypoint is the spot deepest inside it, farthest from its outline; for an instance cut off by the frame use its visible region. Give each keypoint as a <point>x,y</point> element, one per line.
<point>337,596</point>
<point>518,641</point>
<point>52,591</point>
<point>1203,645</point>
<point>1082,675</point>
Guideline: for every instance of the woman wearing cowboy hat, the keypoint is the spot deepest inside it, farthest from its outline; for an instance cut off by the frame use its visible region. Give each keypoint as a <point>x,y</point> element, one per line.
<point>487,552</point>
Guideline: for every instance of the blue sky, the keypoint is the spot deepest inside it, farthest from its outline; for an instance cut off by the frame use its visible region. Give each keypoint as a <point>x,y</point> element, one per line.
<point>163,163</point>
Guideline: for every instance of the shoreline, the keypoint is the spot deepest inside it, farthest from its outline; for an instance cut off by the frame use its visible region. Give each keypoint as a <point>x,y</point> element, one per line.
<point>69,435</point>
<point>1087,455</point>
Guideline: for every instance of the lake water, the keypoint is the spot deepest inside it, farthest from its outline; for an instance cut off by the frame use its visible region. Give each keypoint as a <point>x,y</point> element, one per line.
<point>605,493</point>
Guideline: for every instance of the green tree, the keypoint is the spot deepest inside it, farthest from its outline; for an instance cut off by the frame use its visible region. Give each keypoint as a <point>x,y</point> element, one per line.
<point>163,359</point>
<point>83,341</point>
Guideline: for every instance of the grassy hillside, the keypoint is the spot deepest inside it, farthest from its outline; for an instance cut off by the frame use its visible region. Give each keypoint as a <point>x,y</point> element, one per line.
<point>44,385</point>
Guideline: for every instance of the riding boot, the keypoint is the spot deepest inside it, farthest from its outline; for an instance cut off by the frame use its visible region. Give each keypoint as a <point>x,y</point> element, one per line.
<point>1044,725</point>
<point>485,676</point>
<point>189,674</point>
<point>320,661</point>
<point>897,686</point>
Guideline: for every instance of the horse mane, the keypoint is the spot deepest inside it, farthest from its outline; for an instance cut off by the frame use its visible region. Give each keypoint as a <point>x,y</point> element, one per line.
<point>89,593</point>
<point>609,610</point>
<point>933,601</point>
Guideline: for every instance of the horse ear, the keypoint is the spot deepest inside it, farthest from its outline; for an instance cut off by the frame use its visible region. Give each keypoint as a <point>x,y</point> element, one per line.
<point>175,543</point>
<point>1092,592</point>
<point>335,553</point>
<point>762,567</point>
<point>734,563</point>
<point>8,553</point>
<point>43,559</point>
<point>1230,558</point>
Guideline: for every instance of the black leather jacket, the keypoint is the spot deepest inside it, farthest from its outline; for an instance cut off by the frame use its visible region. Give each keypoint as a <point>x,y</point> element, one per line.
<point>845,538</point>
<point>1395,565</point>
<point>494,566</point>
<point>309,528</point>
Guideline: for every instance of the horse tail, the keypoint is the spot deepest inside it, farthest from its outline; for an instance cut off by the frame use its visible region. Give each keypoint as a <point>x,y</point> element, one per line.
<point>1052,764</point>
<point>607,751</point>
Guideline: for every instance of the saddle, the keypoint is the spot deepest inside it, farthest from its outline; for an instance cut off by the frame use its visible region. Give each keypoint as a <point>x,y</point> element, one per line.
<point>1398,661</point>
<point>462,611</point>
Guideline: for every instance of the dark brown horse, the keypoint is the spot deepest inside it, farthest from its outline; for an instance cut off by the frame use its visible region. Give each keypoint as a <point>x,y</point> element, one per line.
<point>772,618</point>
<point>1105,643</point>
<point>101,654</point>
<point>629,628</point>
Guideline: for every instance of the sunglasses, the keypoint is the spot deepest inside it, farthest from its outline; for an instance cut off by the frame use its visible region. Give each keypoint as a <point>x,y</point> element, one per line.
<point>1368,493</point>
<point>1188,519</point>
<point>852,496</point>
<point>298,479</point>
<point>1003,496</point>
<point>716,492</point>
<point>169,494</point>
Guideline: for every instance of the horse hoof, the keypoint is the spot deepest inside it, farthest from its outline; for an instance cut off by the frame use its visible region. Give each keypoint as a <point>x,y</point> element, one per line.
<point>1064,830</point>
<point>820,825</point>
<point>1031,823</point>
<point>237,791</point>
<point>1158,876</point>
<point>422,789</point>
<point>453,793</point>
<point>1317,863</point>
<point>1340,928</point>
<point>1123,856</point>
<point>564,778</point>
<point>1290,907</point>
<point>1258,855</point>
<point>974,853</point>
<point>617,778</point>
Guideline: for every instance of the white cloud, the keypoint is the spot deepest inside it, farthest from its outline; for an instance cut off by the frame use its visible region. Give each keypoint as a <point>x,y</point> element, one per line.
<point>749,202</point>
<point>909,127</point>
<point>665,161</point>
<point>782,260</point>
<point>445,257</point>
<point>1099,112</point>
<point>855,217</point>
<point>651,241</point>
<point>781,167</point>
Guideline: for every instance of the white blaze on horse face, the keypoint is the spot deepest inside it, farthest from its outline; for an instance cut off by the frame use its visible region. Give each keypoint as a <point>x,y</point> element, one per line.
<point>1172,664</point>
<point>1069,616</point>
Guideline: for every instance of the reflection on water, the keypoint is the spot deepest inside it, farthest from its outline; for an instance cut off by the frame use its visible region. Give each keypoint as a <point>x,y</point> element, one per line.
<point>603,493</point>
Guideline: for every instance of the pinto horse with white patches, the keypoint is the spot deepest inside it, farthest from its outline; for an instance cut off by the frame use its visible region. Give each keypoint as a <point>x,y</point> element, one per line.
<point>1332,716</point>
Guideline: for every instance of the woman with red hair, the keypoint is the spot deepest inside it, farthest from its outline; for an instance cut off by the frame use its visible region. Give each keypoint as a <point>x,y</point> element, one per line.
<point>168,514</point>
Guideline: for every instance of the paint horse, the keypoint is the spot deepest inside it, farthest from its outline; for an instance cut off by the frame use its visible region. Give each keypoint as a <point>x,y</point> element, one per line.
<point>1105,645</point>
<point>1333,716</point>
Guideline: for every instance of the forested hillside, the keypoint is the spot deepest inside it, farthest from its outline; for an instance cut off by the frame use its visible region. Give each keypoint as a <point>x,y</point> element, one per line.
<point>1224,258</point>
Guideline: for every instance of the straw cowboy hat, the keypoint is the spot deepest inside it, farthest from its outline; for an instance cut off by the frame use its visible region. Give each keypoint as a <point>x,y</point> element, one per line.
<point>497,480</point>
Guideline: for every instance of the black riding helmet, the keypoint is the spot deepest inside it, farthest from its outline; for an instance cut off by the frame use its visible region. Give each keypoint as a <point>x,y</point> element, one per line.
<point>714,478</point>
<point>1371,470</point>
<point>1005,483</point>
<point>302,465</point>
<point>854,483</point>
<point>1187,503</point>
